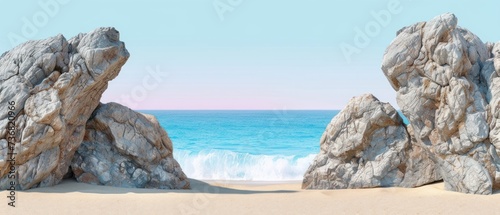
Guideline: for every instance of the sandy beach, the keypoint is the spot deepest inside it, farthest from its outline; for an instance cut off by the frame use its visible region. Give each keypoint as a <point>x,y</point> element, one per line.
<point>71,197</point>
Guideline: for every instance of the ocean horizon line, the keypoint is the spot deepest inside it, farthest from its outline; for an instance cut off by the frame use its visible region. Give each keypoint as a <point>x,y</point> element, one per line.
<point>243,110</point>
<point>237,109</point>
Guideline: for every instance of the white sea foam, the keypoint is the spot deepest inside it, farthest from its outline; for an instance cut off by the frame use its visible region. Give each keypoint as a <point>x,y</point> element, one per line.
<point>228,165</point>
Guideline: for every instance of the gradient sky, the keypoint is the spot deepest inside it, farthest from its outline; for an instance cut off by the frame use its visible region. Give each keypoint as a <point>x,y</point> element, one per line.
<point>264,54</point>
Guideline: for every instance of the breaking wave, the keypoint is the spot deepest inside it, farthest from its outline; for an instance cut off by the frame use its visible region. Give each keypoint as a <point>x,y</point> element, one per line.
<point>229,165</point>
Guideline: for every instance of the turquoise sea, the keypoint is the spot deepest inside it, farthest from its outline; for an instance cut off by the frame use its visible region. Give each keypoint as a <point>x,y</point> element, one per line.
<point>245,145</point>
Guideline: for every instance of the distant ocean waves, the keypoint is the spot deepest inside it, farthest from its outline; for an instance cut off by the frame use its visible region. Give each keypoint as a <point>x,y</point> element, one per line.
<point>229,165</point>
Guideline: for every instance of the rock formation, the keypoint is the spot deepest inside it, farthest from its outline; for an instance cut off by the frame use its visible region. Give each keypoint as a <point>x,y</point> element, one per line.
<point>124,148</point>
<point>56,85</point>
<point>447,82</point>
<point>367,145</point>
<point>444,82</point>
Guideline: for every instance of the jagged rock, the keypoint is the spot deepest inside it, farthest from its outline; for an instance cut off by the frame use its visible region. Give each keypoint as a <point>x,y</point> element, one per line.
<point>471,177</point>
<point>420,168</point>
<point>55,84</point>
<point>490,74</point>
<point>437,69</point>
<point>124,148</point>
<point>367,145</point>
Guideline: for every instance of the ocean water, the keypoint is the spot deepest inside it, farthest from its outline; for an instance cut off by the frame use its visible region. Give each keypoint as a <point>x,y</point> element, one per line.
<point>245,145</point>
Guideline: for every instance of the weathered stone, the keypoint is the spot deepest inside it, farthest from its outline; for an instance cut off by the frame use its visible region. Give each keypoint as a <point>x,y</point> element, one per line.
<point>490,74</point>
<point>367,145</point>
<point>124,148</point>
<point>472,177</point>
<point>420,169</point>
<point>438,71</point>
<point>55,84</point>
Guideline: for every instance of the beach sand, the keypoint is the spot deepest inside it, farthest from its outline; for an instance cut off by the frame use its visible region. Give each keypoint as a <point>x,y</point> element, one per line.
<point>71,197</point>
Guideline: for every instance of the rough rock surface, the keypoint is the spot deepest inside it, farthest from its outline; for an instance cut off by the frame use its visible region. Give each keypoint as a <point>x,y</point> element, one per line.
<point>444,82</point>
<point>124,148</point>
<point>367,145</point>
<point>491,76</point>
<point>56,84</point>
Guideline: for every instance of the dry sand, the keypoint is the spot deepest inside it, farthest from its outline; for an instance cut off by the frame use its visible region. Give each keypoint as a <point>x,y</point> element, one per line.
<point>71,197</point>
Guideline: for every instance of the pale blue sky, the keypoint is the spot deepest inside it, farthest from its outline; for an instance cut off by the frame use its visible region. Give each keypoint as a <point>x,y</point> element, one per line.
<point>265,54</point>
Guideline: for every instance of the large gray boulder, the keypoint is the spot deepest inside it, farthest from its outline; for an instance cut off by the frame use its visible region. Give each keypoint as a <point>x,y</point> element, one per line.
<point>56,84</point>
<point>491,76</point>
<point>438,71</point>
<point>367,145</point>
<point>124,148</point>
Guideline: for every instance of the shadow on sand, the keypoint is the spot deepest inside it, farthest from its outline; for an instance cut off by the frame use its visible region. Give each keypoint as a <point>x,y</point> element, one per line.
<point>71,186</point>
